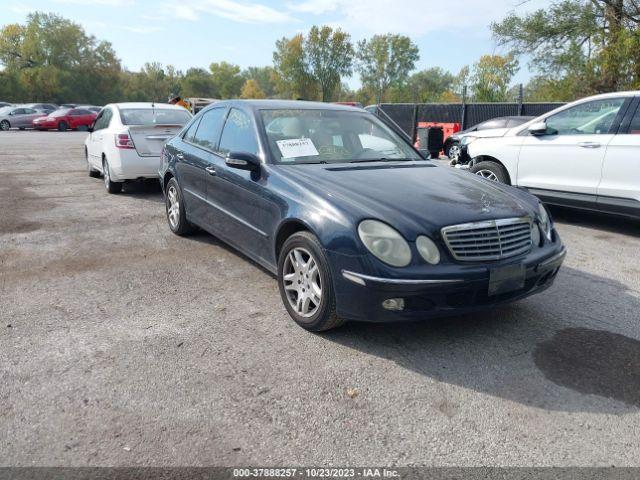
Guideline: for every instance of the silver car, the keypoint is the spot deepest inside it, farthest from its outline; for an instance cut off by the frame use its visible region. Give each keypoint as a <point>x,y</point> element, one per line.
<point>18,117</point>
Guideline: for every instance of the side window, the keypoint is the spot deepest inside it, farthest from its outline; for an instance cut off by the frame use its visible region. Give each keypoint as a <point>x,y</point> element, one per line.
<point>29,111</point>
<point>189,135</point>
<point>208,130</point>
<point>19,111</point>
<point>590,118</point>
<point>103,119</point>
<point>238,134</point>
<point>634,127</point>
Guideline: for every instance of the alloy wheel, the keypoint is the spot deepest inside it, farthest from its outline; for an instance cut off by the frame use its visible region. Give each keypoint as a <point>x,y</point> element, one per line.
<point>454,152</point>
<point>302,282</point>
<point>4,125</point>
<point>488,174</point>
<point>173,207</point>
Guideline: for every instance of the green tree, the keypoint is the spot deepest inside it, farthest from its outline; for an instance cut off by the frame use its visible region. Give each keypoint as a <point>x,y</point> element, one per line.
<point>385,61</point>
<point>587,46</point>
<point>266,78</point>
<point>251,89</point>
<point>227,79</point>
<point>292,78</point>
<point>328,57</point>
<point>53,59</point>
<point>491,77</point>
<point>430,85</point>
<point>197,82</point>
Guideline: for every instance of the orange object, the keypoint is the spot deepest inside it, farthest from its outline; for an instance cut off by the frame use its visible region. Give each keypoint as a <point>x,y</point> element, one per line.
<point>448,129</point>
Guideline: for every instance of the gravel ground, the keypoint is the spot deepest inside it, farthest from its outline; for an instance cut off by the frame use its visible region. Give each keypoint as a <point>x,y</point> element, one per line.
<point>123,344</point>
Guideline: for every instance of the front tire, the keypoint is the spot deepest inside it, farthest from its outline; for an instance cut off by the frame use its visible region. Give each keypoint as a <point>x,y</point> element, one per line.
<point>491,171</point>
<point>453,152</point>
<point>306,284</point>
<point>110,185</point>
<point>5,125</point>
<point>174,206</point>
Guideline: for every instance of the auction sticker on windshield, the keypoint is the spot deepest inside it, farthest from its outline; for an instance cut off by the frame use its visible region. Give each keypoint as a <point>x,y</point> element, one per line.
<point>298,147</point>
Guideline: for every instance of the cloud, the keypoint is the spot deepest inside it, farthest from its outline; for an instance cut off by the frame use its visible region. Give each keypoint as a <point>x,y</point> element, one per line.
<point>142,29</point>
<point>410,17</point>
<point>237,11</point>
<point>110,3</point>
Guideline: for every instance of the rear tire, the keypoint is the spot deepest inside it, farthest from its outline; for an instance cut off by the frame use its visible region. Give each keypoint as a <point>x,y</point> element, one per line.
<point>110,185</point>
<point>302,268</point>
<point>174,206</point>
<point>453,152</point>
<point>63,126</point>
<point>491,171</point>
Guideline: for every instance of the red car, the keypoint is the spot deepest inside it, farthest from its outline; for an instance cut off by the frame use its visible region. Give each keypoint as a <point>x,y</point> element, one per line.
<point>65,119</point>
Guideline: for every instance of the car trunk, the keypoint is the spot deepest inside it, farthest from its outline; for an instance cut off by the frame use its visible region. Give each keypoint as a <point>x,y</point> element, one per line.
<point>149,139</point>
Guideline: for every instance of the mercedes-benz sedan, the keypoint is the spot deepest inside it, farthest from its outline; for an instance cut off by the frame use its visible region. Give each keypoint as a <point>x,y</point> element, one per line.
<point>353,221</point>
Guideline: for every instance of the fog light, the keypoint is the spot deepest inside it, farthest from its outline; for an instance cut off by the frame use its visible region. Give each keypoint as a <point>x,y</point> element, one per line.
<point>396,304</point>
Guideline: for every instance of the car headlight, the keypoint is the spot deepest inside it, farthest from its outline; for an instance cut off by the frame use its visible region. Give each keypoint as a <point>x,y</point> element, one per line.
<point>428,250</point>
<point>467,140</point>
<point>535,234</point>
<point>385,243</point>
<point>545,221</point>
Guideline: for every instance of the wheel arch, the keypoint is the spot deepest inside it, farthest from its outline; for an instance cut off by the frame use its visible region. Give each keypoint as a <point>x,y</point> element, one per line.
<point>287,228</point>
<point>489,158</point>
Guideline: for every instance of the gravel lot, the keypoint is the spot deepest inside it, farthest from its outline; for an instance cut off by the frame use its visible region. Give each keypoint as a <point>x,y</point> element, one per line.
<point>123,344</point>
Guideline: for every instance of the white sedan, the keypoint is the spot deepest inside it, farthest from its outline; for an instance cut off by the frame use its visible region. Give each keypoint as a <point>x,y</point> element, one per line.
<point>585,154</point>
<point>126,139</point>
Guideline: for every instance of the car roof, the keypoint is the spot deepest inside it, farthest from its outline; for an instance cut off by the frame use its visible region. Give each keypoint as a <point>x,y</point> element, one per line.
<point>145,105</point>
<point>271,104</point>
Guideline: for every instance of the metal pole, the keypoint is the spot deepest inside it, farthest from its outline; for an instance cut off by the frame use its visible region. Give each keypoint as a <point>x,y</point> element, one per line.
<point>464,108</point>
<point>520,100</point>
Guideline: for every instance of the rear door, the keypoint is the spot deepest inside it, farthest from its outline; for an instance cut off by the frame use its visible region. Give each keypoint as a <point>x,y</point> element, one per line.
<point>619,189</point>
<point>195,154</point>
<point>98,137</point>
<point>569,157</point>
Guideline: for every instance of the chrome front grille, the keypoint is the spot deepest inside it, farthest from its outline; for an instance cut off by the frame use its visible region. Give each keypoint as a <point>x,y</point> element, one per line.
<point>488,240</point>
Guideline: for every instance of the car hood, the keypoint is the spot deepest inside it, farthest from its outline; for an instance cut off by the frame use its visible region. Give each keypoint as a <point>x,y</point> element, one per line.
<point>414,197</point>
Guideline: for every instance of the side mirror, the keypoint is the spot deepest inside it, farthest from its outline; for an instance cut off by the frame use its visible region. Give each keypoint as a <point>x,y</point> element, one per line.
<point>538,128</point>
<point>243,161</point>
<point>90,127</point>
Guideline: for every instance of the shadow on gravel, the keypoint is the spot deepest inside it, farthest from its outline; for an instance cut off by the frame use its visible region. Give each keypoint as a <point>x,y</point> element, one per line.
<point>597,221</point>
<point>148,189</point>
<point>538,352</point>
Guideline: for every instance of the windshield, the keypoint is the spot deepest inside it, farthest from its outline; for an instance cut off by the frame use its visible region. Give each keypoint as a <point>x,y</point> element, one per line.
<point>154,116</point>
<point>331,136</point>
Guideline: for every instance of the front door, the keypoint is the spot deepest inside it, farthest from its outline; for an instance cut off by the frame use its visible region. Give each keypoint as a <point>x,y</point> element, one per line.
<point>569,157</point>
<point>241,195</point>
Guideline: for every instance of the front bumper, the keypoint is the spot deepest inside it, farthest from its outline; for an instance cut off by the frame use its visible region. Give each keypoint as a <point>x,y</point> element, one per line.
<point>359,297</point>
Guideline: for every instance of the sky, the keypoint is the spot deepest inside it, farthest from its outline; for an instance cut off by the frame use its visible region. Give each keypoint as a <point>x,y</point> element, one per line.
<point>195,33</point>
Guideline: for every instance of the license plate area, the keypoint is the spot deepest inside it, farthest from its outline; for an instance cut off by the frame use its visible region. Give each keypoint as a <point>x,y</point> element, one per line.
<point>506,279</point>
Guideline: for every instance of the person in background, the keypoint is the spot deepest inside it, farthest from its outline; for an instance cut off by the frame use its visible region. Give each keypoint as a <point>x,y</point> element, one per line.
<point>176,100</point>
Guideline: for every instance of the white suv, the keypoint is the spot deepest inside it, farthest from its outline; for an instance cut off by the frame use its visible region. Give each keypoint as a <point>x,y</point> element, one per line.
<point>585,154</point>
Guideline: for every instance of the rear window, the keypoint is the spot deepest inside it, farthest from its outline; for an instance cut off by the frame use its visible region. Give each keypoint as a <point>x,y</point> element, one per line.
<point>151,116</point>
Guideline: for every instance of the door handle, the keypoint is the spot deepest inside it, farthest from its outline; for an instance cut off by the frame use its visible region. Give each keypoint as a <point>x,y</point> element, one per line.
<point>211,170</point>
<point>180,156</point>
<point>589,144</point>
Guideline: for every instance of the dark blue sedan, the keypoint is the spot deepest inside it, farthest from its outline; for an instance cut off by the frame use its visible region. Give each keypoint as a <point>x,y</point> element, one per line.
<point>354,223</point>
